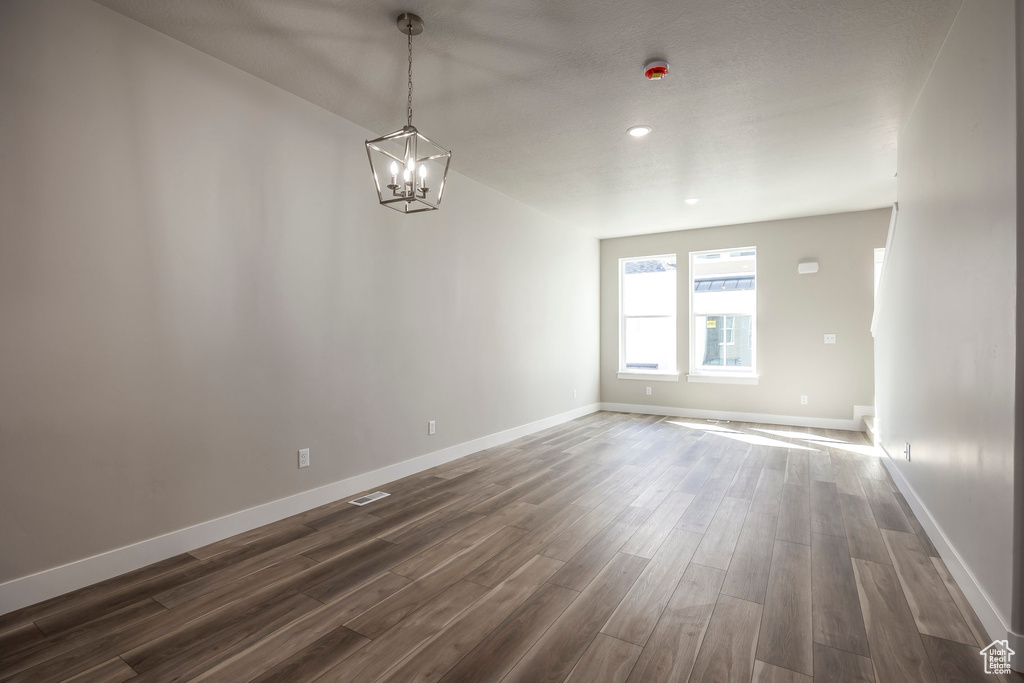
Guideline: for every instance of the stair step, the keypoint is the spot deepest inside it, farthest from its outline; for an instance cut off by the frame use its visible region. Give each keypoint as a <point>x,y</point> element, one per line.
<point>871,424</point>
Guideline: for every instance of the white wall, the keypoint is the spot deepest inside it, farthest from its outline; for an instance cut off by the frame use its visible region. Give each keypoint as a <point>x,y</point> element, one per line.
<point>793,314</point>
<point>196,281</point>
<point>944,348</point>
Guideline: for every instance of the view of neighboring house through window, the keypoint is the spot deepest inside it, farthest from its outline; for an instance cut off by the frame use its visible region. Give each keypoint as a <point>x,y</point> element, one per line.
<point>647,287</point>
<point>723,311</point>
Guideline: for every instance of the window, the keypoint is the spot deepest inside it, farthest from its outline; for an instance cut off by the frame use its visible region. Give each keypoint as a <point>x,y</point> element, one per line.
<point>723,316</point>
<point>730,327</point>
<point>647,325</point>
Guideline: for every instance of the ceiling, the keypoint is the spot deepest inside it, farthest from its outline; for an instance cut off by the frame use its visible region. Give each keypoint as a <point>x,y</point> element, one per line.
<point>772,109</point>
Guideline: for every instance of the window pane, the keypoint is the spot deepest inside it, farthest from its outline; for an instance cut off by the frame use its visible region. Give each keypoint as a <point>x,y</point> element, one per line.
<point>724,342</point>
<point>724,266</point>
<point>650,344</point>
<point>724,307</point>
<point>649,287</point>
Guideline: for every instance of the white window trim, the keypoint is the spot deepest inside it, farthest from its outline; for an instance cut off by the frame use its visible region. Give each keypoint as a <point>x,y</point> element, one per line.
<point>699,374</point>
<point>633,373</point>
<point>653,376</point>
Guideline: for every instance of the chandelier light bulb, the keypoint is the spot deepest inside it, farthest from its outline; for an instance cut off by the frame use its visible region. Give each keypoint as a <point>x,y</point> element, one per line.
<point>394,169</point>
<point>423,172</point>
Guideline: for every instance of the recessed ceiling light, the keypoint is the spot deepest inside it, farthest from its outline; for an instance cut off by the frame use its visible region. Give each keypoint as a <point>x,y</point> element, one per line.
<point>639,131</point>
<point>692,200</point>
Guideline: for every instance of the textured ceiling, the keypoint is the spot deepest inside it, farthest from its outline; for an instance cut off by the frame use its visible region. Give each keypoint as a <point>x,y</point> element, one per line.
<point>772,109</point>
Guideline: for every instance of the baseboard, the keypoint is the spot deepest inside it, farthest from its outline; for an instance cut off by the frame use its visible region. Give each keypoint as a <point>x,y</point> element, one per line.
<point>49,583</point>
<point>980,602</point>
<point>855,425</point>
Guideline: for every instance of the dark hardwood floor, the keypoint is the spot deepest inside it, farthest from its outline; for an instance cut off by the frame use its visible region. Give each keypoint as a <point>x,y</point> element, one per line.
<point>612,548</point>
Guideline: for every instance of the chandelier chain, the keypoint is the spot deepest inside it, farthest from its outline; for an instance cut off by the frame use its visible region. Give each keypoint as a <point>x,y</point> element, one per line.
<point>408,110</point>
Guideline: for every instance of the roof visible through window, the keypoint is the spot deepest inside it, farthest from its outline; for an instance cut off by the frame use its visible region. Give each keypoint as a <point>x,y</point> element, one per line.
<point>649,266</point>
<point>726,284</point>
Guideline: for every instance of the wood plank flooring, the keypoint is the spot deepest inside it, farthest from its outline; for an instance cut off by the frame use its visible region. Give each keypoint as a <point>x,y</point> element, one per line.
<point>616,547</point>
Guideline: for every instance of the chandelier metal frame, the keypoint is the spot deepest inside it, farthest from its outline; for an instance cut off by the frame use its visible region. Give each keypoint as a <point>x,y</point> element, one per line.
<point>407,190</point>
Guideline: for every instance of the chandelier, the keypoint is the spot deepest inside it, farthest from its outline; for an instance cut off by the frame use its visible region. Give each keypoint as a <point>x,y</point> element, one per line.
<point>409,169</point>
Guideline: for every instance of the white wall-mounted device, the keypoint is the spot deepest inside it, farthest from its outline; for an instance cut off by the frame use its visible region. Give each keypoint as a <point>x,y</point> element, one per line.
<point>807,267</point>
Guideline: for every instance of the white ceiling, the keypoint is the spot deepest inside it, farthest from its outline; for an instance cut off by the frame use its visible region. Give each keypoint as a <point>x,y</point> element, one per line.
<point>772,109</point>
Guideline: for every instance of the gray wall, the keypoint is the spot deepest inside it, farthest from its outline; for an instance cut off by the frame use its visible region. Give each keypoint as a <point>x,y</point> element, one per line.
<point>196,281</point>
<point>945,340</point>
<point>794,312</point>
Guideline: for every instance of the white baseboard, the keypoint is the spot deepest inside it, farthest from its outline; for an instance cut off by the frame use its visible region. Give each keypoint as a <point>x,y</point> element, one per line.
<point>49,583</point>
<point>982,604</point>
<point>855,425</point>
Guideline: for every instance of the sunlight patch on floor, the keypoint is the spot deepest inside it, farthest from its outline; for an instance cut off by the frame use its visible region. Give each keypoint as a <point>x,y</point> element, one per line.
<point>799,435</point>
<point>743,437</point>
<point>873,451</point>
<point>705,427</point>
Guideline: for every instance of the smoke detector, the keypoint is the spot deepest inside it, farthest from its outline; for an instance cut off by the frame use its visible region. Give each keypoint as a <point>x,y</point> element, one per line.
<point>656,70</point>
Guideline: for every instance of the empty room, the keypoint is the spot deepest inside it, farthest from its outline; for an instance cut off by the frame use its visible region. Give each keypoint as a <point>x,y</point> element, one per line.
<point>522,340</point>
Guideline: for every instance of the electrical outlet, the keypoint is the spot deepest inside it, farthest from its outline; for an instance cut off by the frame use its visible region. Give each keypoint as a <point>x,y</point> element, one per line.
<point>830,339</point>
<point>803,400</point>
<point>304,457</point>
<point>431,428</point>
<point>906,451</point>
<point>648,391</point>
<point>574,393</point>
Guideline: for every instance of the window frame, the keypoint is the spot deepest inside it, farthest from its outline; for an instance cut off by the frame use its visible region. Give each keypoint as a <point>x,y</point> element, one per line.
<point>638,373</point>
<point>698,373</point>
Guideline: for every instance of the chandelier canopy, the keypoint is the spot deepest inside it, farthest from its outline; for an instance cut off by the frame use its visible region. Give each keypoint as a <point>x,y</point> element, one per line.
<point>409,169</point>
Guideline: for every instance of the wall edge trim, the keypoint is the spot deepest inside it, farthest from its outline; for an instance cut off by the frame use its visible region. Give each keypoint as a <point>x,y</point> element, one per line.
<point>49,583</point>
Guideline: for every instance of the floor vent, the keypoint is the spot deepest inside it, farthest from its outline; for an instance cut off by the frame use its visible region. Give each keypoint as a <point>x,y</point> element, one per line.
<point>719,422</point>
<point>369,498</point>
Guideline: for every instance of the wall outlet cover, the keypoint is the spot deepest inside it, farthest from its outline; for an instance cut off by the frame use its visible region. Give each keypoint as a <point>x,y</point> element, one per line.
<point>431,428</point>
<point>803,400</point>
<point>304,457</point>
<point>830,338</point>
<point>648,391</point>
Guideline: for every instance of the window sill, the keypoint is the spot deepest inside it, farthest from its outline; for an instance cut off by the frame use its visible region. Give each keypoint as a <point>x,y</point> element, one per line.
<point>722,379</point>
<point>653,376</point>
